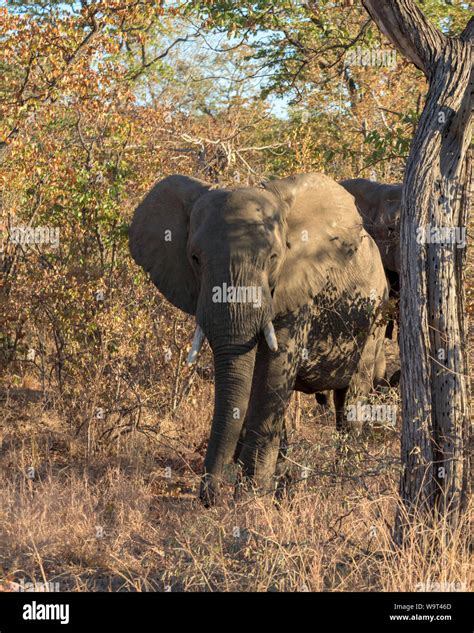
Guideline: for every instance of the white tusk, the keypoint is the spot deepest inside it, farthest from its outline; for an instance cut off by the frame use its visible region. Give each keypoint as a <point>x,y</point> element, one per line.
<point>270,336</point>
<point>198,340</point>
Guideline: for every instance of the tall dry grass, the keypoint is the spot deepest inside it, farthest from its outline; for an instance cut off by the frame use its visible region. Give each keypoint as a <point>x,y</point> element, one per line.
<point>123,514</point>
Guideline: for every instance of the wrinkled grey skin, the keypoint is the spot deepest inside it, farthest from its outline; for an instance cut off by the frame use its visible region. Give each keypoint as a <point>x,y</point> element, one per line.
<point>379,206</point>
<point>301,241</point>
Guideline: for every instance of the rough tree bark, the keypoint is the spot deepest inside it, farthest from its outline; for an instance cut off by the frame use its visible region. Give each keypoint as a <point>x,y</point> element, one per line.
<point>433,342</point>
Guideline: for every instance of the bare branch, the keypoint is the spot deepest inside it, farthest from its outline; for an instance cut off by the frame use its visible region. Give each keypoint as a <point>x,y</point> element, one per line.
<point>408,29</point>
<point>148,64</point>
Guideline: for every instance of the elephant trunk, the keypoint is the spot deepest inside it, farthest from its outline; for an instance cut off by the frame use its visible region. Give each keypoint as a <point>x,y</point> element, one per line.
<point>233,314</point>
<point>234,365</point>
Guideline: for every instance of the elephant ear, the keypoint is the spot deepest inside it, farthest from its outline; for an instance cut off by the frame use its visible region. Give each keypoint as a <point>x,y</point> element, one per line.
<point>367,196</point>
<point>324,231</point>
<point>391,204</point>
<point>388,236</point>
<point>158,237</point>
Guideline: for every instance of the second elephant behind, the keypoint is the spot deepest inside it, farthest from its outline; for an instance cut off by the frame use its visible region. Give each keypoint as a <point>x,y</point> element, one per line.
<point>379,205</point>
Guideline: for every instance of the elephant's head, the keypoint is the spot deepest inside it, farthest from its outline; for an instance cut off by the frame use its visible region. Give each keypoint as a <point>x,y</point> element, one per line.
<point>236,259</point>
<point>379,206</point>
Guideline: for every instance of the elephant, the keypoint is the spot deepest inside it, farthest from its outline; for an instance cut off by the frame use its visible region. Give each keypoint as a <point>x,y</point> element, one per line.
<point>286,285</point>
<point>379,205</point>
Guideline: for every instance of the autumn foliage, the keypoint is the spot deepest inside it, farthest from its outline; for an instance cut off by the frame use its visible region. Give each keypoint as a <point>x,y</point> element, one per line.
<point>97,101</point>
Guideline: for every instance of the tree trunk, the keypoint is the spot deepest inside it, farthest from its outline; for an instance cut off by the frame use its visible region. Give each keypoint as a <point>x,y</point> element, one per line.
<point>434,363</point>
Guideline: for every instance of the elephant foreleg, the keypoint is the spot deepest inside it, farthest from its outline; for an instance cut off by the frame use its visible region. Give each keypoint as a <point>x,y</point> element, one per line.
<point>339,397</point>
<point>371,370</point>
<point>264,424</point>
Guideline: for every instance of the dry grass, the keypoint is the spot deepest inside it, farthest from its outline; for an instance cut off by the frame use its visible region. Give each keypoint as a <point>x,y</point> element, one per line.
<point>123,515</point>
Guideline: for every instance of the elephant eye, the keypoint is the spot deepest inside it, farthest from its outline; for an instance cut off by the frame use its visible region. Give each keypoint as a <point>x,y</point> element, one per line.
<point>272,262</point>
<point>195,259</point>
